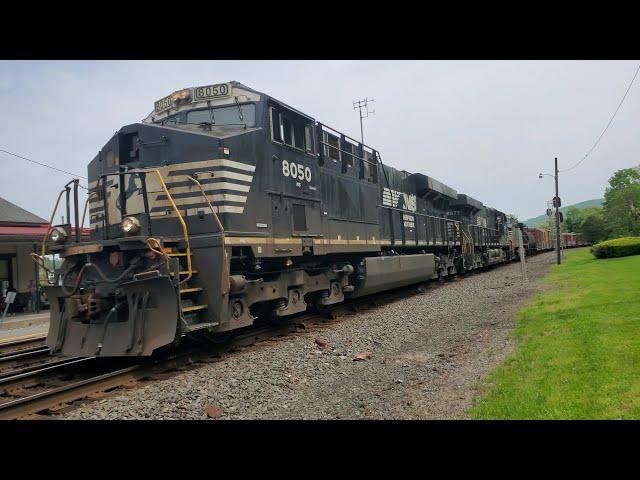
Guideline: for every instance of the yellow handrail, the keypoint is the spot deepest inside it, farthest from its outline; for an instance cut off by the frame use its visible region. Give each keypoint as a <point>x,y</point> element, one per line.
<point>46,235</point>
<point>39,259</point>
<point>185,231</point>
<point>221,228</point>
<point>86,204</point>
<point>469,237</point>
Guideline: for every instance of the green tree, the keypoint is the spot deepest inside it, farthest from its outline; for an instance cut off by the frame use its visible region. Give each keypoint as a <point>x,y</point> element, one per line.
<point>548,224</point>
<point>624,178</point>
<point>622,203</point>
<point>593,225</point>
<point>572,219</point>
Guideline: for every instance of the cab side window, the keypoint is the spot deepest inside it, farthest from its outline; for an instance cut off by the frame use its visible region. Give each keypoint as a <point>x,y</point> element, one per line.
<point>275,126</point>
<point>331,146</point>
<point>291,129</point>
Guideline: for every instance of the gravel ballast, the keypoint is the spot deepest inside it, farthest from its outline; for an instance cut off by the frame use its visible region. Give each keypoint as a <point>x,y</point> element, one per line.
<point>423,357</point>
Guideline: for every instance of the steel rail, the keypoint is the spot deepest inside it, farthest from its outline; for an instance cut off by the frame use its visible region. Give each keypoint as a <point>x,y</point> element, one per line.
<point>33,370</point>
<point>20,354</point>
<point>22,341</point>
<point>66,393</point>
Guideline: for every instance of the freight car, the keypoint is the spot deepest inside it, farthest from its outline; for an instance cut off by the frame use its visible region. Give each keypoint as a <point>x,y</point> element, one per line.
<point>226,207</point>
<point>572,240</point>
<point>539,240</point>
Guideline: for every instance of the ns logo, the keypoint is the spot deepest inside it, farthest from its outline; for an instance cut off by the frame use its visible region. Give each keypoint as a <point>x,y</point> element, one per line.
<point>391,198</point>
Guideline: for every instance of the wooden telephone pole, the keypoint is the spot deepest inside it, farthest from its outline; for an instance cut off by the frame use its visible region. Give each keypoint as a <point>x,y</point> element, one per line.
<point>556,203</point>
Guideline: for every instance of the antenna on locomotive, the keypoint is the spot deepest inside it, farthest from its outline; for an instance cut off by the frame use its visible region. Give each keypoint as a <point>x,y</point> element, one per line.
<point>363,106</point>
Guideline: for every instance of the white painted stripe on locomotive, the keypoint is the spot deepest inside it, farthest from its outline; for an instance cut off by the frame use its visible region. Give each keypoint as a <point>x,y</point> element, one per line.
<point>194,210</point>
<point>209,187</point>
<point>218,162</point>
<point>197,198</point>
<point>212,174</point>
<point>222,162</point>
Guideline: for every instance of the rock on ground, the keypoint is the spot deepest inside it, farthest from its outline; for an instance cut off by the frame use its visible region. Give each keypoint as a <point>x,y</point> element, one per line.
<point>421,357</point>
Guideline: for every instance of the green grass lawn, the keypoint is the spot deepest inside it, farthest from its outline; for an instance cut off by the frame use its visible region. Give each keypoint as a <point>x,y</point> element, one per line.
<point>578,353</point>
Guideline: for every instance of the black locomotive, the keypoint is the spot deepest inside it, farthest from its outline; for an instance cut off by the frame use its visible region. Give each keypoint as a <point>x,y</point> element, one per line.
<point>225,207</point>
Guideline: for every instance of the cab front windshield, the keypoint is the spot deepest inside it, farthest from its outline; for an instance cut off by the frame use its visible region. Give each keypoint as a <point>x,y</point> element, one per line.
<point>124,196</point>
<point>243,115</point>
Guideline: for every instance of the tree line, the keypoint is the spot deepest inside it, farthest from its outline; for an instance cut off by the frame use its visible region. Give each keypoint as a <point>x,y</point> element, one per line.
<point>619,215</point>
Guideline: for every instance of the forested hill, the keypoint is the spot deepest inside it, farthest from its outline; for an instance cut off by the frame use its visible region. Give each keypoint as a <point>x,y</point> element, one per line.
<point>532,222</point>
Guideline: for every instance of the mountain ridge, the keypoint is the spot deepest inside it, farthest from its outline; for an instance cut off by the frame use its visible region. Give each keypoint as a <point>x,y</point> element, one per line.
<point>532,222</point>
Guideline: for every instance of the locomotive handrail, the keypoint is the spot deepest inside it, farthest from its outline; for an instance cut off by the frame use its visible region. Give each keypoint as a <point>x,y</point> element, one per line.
<point>351,154</point>
<point>469,240</point>
<point>39,259</point>
<point>225,271</point>
<point>185,230</point>
<point>340,136</point>
<point>323,126</point>
<point>86,204</point>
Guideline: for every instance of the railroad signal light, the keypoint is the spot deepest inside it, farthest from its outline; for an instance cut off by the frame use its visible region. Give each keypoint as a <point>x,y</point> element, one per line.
<point>556,202</point>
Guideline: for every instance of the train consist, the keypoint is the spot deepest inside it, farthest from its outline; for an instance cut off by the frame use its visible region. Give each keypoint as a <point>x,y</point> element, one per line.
<point>226,207</point>
<point>540,240</point>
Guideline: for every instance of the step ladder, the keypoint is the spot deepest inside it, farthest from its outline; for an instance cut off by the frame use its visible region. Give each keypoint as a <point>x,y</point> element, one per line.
<point>192,299</point>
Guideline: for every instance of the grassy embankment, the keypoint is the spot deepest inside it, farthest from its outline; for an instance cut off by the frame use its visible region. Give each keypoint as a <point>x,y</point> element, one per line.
<point>578,353</point>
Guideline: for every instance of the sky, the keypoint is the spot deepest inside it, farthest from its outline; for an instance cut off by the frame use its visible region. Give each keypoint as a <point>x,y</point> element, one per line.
<point>485,128</point>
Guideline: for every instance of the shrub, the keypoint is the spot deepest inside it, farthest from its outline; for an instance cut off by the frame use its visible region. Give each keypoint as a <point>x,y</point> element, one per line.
<point>618,247</point>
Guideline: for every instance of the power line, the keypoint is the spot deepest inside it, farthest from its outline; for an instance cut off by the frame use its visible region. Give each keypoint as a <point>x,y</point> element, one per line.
<point>43,164</point>
<point>608,124</point>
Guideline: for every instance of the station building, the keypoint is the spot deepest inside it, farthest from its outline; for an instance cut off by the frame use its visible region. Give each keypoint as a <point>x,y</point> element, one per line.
<point>21,233</point>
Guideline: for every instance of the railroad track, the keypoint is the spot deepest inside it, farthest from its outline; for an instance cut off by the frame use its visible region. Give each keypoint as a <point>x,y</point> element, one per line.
<point>52,388</point>
<point>39,392</point>
<point>24,355</point>
<point>22,345</point>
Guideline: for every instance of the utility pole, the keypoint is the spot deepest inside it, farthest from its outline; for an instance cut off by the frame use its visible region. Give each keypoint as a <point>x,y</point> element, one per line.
<point>556,202</point>
<point>363,105</point>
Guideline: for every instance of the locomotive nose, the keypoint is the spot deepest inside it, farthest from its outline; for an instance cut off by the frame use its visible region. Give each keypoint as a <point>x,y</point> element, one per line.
<point>139,318</point>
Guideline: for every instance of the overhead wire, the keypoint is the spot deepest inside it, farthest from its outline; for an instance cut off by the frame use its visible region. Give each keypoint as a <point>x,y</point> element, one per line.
<point>45,165</point>
<point>608,124</point>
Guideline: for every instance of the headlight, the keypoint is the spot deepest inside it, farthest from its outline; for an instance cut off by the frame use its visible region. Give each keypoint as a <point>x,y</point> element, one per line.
<point>58,235</point>
<point>130,225</point>
<point>181,96</point>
